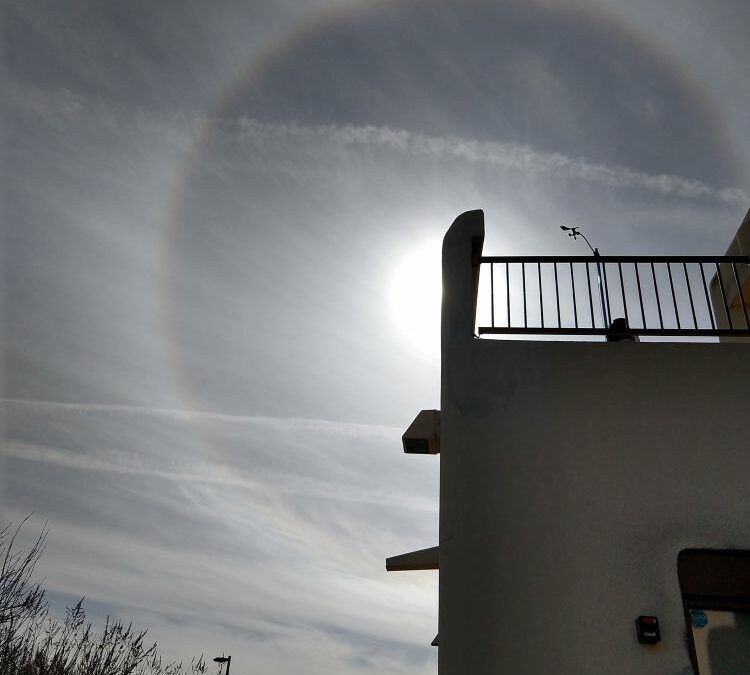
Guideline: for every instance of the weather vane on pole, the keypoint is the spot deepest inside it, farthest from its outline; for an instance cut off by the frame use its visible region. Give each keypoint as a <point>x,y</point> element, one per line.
<point>575,232</point>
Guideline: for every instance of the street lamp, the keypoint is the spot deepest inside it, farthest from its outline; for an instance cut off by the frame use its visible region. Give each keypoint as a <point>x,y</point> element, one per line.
<point>224,659</point>
<point>575,233</point>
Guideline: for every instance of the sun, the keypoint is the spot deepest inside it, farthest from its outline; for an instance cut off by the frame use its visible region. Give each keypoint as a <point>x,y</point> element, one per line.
<point>415,298</point>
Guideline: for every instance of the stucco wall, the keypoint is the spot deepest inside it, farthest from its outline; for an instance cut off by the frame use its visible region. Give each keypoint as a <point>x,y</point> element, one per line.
<point>740,245</point>
<point>572,475</point>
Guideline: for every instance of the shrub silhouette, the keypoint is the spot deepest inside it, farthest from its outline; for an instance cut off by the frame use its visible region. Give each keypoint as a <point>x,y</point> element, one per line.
<point>33,642</point>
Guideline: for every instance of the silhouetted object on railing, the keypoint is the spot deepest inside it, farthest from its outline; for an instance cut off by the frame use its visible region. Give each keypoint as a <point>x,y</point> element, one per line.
<point>619,331</point>
<point>655,296</point>
<point>224,659</point>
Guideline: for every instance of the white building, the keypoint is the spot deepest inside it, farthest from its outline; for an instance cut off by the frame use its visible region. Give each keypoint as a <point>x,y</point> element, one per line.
<point>585,484</point>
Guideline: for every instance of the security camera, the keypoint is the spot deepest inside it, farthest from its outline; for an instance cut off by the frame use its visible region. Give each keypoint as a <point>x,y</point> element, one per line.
<point>423,435</point>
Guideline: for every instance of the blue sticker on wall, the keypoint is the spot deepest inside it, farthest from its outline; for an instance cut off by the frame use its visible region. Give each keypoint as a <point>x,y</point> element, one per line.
<point>698,618</point>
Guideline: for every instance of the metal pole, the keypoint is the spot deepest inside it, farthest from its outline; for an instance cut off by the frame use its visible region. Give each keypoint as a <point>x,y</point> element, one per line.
<point>223,659</point>
<point>605,316</point>
<point>575,233</point>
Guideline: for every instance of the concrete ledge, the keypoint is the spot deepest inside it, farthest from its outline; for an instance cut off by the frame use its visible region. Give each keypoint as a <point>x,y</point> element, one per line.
<point>424,559</point>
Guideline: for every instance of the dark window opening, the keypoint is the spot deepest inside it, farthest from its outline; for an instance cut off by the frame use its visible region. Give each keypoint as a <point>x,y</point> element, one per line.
<point>715,588</point>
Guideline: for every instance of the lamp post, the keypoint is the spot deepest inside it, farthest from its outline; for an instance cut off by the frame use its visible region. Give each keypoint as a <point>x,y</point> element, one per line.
<point>575,233</point>
<point>224,659</point>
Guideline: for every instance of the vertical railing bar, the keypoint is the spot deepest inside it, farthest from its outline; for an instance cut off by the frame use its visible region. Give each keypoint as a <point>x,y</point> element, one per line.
<point>690,295</point>
<point>708,300</point>
<point>622,291</point>
<point>507,288</point>
<point>591,298</point>
<point>557,297</point>
<point>523,281</point>
<point>656,292</point>
<point>674,297</point>
<point>640,294</point>
<point>608,321</point>
<point>573,289</point>
<point>724,296</point>
<point>541,299</point>
<point>742,296</point>
<point>492,293</point>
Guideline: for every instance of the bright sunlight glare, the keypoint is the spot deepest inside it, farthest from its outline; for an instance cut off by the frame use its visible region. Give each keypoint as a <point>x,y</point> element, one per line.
<point>415,295</point>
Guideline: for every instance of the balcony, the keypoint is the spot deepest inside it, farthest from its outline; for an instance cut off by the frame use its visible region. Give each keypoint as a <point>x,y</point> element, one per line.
<point>627,297</point>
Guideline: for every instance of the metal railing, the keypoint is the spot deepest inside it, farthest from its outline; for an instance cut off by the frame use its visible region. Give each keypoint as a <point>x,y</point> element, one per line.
<point>615,296</point>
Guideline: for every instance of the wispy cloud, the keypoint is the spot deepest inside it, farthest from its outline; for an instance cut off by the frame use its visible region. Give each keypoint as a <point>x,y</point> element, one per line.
<point>515,157</point>
<point>509,156</point>
<point>51,407</point>
<point>270,531</point>
<point>285,456</point>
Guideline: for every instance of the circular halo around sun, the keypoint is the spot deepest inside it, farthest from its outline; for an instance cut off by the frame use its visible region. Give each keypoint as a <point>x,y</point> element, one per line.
<point>415,298</point>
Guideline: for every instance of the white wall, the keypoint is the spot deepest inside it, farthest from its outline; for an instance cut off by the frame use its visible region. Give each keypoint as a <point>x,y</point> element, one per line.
<point>572,475</point>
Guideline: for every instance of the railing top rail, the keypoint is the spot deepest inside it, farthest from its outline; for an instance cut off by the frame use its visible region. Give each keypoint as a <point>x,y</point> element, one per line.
<point>616,259</point>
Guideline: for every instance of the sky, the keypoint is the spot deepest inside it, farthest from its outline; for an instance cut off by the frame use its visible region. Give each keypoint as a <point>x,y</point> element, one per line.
<point>221,232</point>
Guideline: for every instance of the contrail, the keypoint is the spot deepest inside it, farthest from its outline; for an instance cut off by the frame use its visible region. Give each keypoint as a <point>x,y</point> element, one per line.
<point>10,405</point>
<point>508,156</point>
